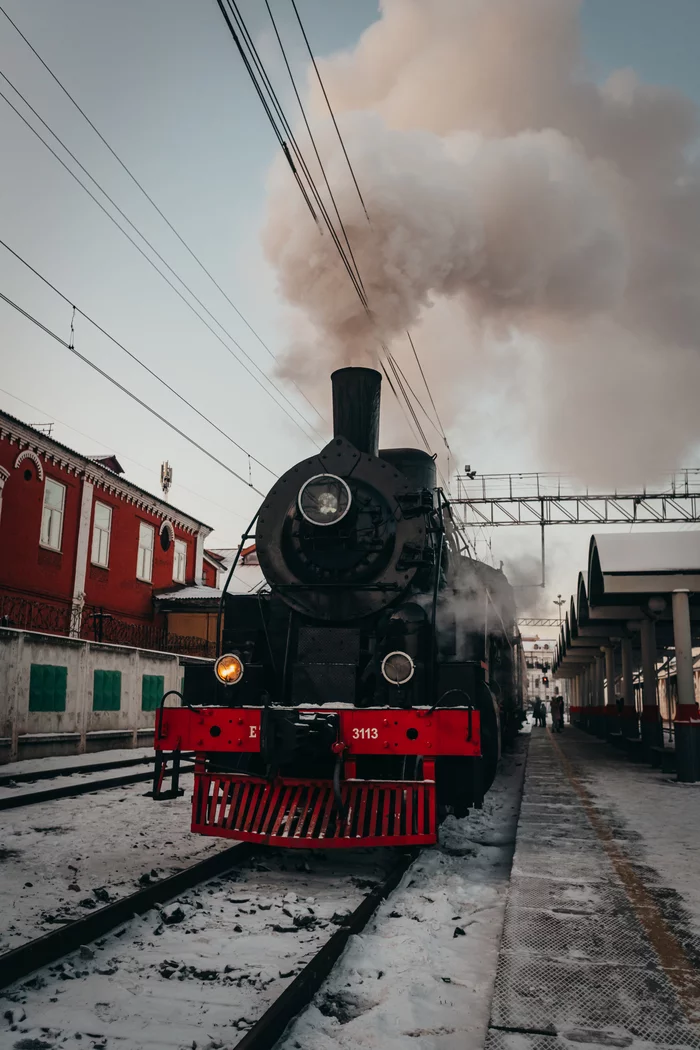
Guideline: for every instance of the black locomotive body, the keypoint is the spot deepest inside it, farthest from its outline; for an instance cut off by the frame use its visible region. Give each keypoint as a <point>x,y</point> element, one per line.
<point>368,688</point>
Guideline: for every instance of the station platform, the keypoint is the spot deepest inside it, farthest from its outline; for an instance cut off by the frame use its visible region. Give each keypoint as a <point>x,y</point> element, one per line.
<point>598,947</point>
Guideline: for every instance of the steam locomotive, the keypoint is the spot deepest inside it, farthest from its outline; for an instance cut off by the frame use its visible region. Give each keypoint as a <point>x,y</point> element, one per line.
<point>367,690</point>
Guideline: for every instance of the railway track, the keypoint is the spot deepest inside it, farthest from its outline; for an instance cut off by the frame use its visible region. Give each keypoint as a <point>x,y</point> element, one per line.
<point>79,787</point>
<point>296,945</point>
<point>8,779</point>
<point>23,960</point>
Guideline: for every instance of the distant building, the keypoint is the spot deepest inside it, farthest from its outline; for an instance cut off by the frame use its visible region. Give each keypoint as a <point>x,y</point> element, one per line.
<point>193,611</point>
<point>538,664</point>
<point>83,551</point>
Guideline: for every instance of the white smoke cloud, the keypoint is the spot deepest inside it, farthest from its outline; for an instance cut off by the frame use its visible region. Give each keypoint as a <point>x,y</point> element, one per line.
<point>555,213</point>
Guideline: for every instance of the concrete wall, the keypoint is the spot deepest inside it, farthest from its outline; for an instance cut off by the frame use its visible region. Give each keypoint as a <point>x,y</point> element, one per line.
<point>32,734</point>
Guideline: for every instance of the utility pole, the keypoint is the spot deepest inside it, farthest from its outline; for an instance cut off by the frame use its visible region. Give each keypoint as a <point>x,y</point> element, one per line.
<point>559,601</point>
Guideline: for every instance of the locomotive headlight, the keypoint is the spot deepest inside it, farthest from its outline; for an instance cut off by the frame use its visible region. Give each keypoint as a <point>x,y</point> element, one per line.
<point>229,669</point>
<point>398,668</point>
<point>324,499</point>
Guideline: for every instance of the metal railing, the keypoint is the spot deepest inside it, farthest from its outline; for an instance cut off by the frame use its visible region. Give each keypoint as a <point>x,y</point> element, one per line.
<point>93,623</point>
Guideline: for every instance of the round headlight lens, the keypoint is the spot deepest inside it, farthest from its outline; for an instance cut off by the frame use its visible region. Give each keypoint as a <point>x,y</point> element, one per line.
<point>229,669</point>
<point>324,499</point>
<point>398,668</point>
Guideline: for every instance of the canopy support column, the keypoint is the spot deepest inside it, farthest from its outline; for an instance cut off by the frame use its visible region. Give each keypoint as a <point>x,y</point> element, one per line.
<point>687,721</point>
<point>652,730</point>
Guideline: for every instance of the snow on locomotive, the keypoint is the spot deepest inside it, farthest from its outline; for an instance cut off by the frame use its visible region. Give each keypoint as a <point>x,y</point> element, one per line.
<point>365,692</point>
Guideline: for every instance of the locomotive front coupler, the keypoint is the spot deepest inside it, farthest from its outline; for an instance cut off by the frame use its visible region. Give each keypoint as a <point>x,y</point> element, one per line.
<point>289,736</point>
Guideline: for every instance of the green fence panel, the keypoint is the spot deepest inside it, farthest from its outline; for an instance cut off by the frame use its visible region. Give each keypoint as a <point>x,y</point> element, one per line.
<point>152,691</point>
<point>107,691</point>
<point>47,687</point>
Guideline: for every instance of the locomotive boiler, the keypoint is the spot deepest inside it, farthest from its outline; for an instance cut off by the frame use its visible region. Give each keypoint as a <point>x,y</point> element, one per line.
<point>364,692</point>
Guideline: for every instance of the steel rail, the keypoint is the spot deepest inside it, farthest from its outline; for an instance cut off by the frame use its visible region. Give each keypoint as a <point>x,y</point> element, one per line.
<point>31,798</point>
<point>7,779</point>
<point>19,962</point>
<point>268,1029</point>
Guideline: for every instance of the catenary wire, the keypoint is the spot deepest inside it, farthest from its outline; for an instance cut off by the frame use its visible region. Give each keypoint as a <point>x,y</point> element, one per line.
<point>425,383</point>
<point>125,390</point>
<point>134,357</point>
<point>313,141</point>
<point>266,107</point>
<point>330,110</point>
<point>150,261</point>
<point>440,427</point>
<point>148,197</point>
<point>240,23</point>
<point>356,279</point>
<point>429,418</point>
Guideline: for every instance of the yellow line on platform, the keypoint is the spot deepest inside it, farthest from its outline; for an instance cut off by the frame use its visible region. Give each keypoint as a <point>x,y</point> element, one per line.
<point>672,957</point>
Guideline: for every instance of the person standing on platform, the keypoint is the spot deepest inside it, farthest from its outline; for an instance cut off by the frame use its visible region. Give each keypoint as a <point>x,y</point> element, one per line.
<point>560,713</point>
<point>554,709</point>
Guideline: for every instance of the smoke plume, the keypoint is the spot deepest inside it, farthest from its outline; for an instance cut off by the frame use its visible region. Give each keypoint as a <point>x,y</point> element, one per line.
<point>554,212</point>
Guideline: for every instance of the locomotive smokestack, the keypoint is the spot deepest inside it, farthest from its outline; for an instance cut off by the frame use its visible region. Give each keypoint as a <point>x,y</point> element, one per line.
<point>356,407</point>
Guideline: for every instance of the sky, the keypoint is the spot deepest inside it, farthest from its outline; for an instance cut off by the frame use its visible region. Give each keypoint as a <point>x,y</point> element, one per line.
<point>163,83</point>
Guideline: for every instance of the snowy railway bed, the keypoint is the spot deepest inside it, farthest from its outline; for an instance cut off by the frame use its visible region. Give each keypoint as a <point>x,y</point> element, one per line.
<point>229,962</point>
<point>214,958</point>
<point>60,860</point>
<point>29,956</point>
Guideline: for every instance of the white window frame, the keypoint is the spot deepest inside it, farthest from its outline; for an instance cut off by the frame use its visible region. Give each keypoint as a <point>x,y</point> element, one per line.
<point>144,558</point>
<point>101,537</point>
<point>51,534</point>
<point>179,561</point>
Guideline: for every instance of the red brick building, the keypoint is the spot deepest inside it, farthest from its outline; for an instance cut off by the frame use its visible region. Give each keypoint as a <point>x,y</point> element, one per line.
<point>82,550</point>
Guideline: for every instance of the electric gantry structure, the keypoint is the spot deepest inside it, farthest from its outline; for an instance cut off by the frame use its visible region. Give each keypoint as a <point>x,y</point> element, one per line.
<point>544,499</point>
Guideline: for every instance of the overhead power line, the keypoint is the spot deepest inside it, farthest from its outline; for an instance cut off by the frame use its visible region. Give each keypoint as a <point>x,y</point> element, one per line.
<point>281,127</point>
<point>134,357</point>
<point>425,383</point>
<point>283,130</point>
<point>313,142</point>
<point>309,49</point>
<point>147,257</point>
<point>125,390</point>
<point>148,197</point>
<point>330,109</point>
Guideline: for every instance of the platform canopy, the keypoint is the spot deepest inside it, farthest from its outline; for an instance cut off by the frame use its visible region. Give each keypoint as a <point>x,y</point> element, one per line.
<point>642,563</point>
<point>625,571</point>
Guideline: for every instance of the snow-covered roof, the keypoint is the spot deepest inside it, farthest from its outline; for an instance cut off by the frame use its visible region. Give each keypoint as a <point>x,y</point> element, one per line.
<point>195,592</point>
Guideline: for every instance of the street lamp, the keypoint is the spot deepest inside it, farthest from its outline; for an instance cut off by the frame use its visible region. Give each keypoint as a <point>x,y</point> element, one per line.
<point>559,601</point>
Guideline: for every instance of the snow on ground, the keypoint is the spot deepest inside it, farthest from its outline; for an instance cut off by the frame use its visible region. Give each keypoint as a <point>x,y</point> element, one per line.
<point>58,858</point>
<point>199,971</point>
<point>422,972</point>
<point>36,765</point>
<point>656,822</point>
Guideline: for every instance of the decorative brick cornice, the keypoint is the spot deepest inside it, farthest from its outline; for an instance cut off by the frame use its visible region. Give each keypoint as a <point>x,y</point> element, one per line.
<point>32,456</point>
